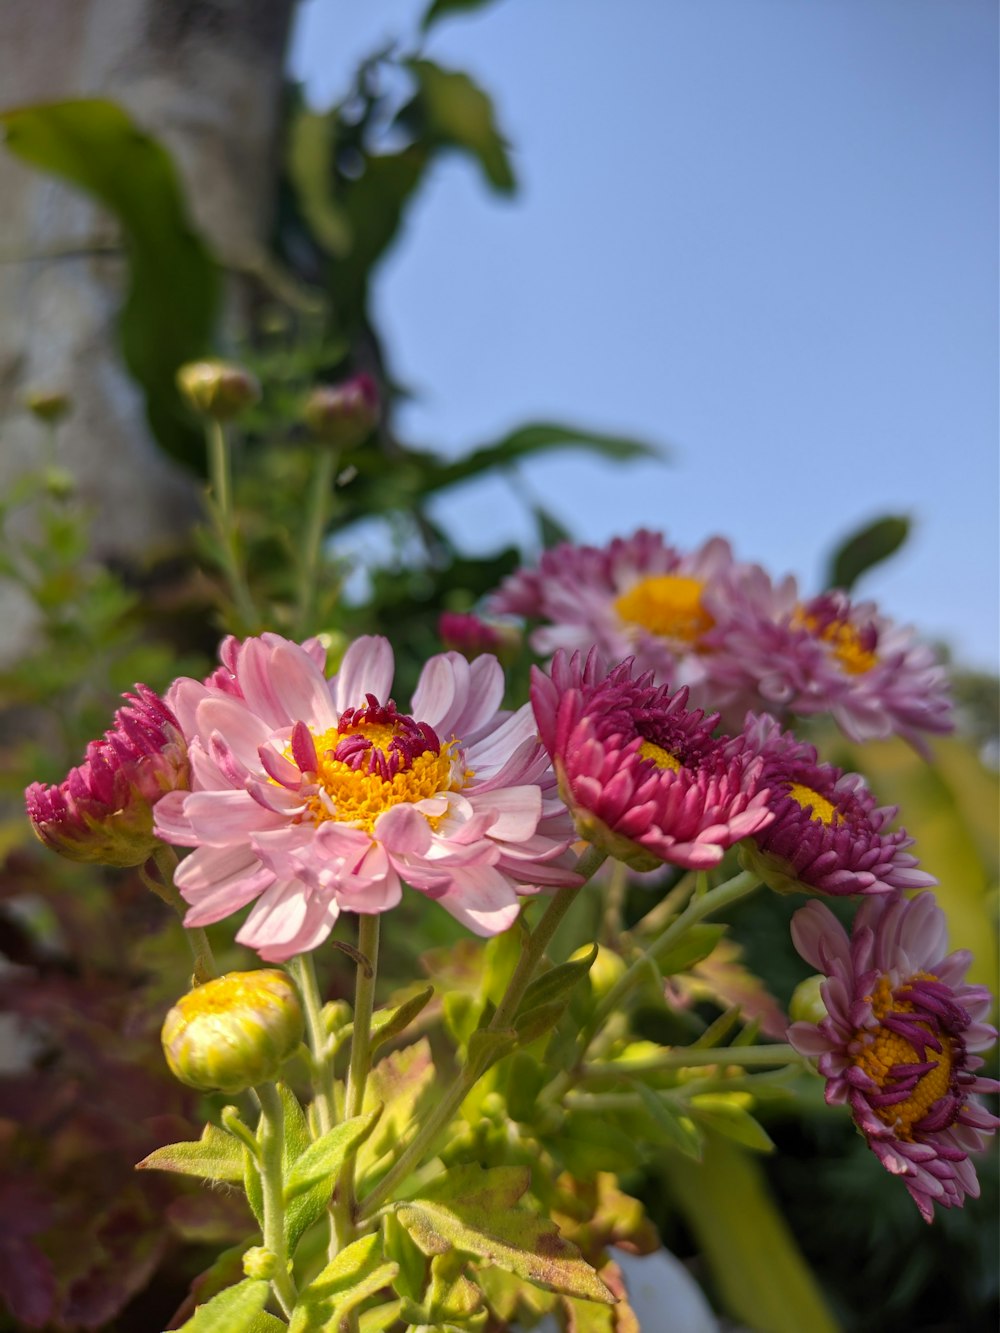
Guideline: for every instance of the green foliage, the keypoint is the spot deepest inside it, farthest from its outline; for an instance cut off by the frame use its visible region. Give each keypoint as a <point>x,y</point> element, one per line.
<point>215,1156</point>
<point>170,309</point>
<point>234,1310</point>
<point>865,549</point>
<point>358,1272</point>
<point>451,111</point>
<point>309,1181</point>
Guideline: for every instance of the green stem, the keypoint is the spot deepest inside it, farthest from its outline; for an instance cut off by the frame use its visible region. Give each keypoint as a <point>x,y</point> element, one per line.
<point>220,475</point>
<point>319,497</point>
<point>344,1199</point>
<point>443,1114</point>
<point>692,1057</point>
<point>164,888</point>
<point>304,972</point>
<point>271,1135</point>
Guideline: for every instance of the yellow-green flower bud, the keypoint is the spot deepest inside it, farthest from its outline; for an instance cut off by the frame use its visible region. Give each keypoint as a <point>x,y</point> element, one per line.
<point>260,1263</point>
<point>807,1003</point>
<point>217,389</point>
<point>235,1032</point>
<point>48,405</point>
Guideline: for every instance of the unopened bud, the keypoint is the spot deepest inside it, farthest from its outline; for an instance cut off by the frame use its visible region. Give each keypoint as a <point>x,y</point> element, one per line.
<point>260,1263</point>
<point>807,1001</point>
<point>345,414</point>
<point>48,405</point>
<point>235,1032</point>
<point>217,389</point>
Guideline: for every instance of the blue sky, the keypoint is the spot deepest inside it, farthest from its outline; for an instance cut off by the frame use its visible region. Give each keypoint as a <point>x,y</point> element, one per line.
<point>762,232</point>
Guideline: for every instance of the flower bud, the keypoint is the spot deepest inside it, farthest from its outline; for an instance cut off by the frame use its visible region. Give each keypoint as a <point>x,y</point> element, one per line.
<point>465,633</point>
<point>217,389</point>
<point>49,405</point>
<point>807,1003</point>
<point>234,1032</point>
<point>344,414</point>
<point>260,1263</point>
<point>103,810</point>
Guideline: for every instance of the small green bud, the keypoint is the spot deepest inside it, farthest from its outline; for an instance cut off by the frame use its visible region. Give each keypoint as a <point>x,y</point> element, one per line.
<point>234,1032</point>
<point>260,1263</point>
<point>59,483</point>
<point>217,389</point>
<point>807,1003</point>
<point>345,414</point>
<point>49,406</point>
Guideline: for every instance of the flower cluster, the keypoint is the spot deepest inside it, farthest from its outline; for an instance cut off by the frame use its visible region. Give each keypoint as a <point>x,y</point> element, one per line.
<point>738,639</point>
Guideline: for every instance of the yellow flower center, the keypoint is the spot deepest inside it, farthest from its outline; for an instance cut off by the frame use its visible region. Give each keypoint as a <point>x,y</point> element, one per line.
<point>357,793</point>
<point>822,809</point>
<point>668,605</point>
<point>883,1049</point>
<point>660,757</point>
<point>843,638</point>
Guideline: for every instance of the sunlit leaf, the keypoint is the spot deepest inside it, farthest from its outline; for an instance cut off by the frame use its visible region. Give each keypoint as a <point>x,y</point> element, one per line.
<point>728,1114</point>
<point>310,170</point>
<point>232,1311</point>
<point>215,1156</point>
<point>358,1272</point>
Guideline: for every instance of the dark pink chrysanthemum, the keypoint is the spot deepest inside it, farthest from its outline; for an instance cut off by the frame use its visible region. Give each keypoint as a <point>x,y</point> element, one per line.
<point>465,633</point>
<point>827,833</point>
<point>102,812</point>
<point>641,773</point>
<point>831,655</point>
<point>313,796</point>
<point>898,1042</point>
<point>635,598</point>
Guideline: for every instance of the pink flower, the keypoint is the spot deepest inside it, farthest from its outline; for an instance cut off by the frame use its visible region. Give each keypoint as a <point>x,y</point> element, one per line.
<point>467,634</point>
<point>829,655</point>
<point>827,833</point>
<point>102,812</point>
<point>636,597</point>
<point>642,775</point>
<point>311,797</point>
<point>898,1038</point>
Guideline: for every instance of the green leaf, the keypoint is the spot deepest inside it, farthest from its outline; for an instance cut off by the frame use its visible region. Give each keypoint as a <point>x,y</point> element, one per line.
<point>524,1082</point>
<point>397,1082</point>
<point>450,110</point>
<point>232,1311</point>
<point>488,1048</point>
<point>215,1156</point>
<point>673,1127</point>
<point>864,549</point>
<point>471,1209</point>
<point>587,1143</point>
<point>451,1300</point>
<point>169,311</point>
<point>252,1186</point>
<point>531,1024</point>
<point>389,1023</point>
<point>309,1182</point>
<point>310,169</point>
<point>727,1113</point>
<point>696,943</point>
<point>266,1323</point>
<point>358,1272</point>
<point>761,1277</point>
<point>379,1317</point>
<point>443,8</point>
<point>557,982</point>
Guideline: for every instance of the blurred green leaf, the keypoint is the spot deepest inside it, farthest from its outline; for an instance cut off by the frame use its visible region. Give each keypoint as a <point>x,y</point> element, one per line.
<point>450,110</point>
<point>170,309</point>
<point>865,548</point>
<point>728,1114</point>
<point>311,138</point>
<point>443,8</point>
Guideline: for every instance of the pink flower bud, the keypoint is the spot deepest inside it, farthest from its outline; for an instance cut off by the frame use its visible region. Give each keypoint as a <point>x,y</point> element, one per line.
<point>343,414</point>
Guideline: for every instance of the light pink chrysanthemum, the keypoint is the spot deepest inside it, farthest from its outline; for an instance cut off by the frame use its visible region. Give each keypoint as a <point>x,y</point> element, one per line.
<point>642,775</point>
<point>102,812</point>
<point>829,655</point>
<point>636,597</point>
<point>898,1040</point>
<point>313,796</point>
<point>827,833</point>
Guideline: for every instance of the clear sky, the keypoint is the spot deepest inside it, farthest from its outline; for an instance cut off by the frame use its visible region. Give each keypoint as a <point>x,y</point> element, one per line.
<point>764,232</point>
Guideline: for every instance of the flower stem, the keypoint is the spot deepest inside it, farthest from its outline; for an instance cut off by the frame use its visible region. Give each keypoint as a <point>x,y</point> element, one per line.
<point>319,495</point>
<point>220,474</point>
<point>271,1135</point>
<point>304,972</point>
<point>344,1199</point>
<point>443,1114</point>
<point>691,1057</point>
<point>164,888</point>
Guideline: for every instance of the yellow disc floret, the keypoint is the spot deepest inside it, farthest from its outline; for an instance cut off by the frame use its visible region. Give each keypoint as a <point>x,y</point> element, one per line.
<point>668,605</point>
<point>660,757</point>
<point>883,1049</point>
<point>844,639</point>
<point>822,809</point>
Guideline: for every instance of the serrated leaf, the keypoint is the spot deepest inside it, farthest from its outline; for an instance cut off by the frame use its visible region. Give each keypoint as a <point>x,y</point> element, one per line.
<point>358,1272</point>
<point>727,1114</point>
<point>397,1082</point>
<point>170,309</point>
<point>557,981</point>
<point>309,1182</point>
<point>480,1187</point>
<point>215,1156</point>
<point>675,1128</point>
<point>483,1223</point>
<point>866,548</point>
<point>696,943</point>
<point>232,1311</point>
<point>389,1023</point>
<point>449,109</point>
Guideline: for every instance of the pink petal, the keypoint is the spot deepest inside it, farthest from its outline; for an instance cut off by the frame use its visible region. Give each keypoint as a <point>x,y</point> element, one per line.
<point>367,668</point>
<point>302,688</point>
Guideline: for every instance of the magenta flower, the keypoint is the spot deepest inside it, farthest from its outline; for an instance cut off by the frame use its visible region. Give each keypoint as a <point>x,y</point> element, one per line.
<point>830,655</point>
<point>898,1040</point>
<point>641,773</point>
<point>636,597</point>
<point>311,797</point>
<point>827,833</point>
<point>467,634</point>
<point>102,811</point>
